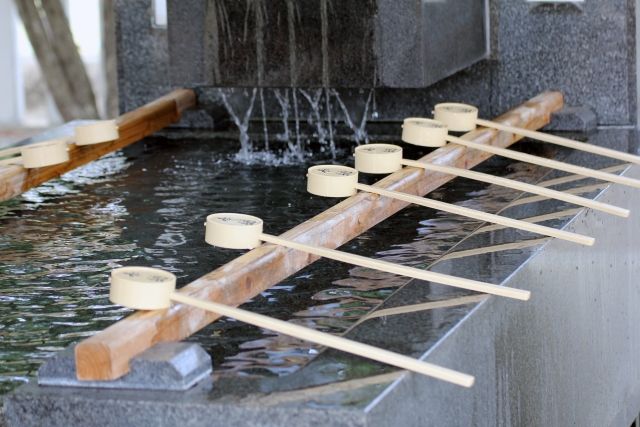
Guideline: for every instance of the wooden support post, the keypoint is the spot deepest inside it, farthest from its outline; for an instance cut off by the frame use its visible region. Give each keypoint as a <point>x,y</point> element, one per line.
<point>133,126</point>
<point>106,355</point>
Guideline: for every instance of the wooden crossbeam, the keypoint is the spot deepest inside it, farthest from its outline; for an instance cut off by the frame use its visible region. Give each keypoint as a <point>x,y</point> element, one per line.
<point>133,126</point>
<point>106,355</point>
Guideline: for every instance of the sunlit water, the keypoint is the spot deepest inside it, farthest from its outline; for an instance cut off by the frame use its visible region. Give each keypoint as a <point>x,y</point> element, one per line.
<point>146,206</point>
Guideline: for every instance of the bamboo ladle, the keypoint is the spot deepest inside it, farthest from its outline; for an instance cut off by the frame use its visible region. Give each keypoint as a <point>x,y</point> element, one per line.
<point>433,133</point>
<point>342,181</point>
<point>238,231</point>
<point>96,132</point>
<point>464,118</point>
<point>387,158</point>
<point>38,155</point>
<point>56,151</point>
<point>145,288</point>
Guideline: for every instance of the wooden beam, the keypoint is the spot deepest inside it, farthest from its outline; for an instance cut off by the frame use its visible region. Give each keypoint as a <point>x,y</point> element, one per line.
<point>133,126</point>
<point>106,355</point>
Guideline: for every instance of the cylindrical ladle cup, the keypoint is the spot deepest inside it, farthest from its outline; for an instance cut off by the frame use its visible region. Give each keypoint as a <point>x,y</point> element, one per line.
<point>153,289</point>
<point>40,154</point>
<point>96,132</point>
<point>464,118</point>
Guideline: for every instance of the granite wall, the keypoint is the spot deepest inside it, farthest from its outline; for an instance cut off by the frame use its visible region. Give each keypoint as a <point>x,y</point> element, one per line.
<point>587,51</point>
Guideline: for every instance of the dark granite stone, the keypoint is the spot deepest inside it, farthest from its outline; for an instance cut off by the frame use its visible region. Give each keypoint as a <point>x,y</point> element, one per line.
<point>143,57</point>
<point>165,366</point>
<point>587,53</point>
<point>370,43</point>
<point>572,119</point>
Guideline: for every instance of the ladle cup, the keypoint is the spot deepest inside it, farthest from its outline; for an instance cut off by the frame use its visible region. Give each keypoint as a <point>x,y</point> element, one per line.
<point>39,155</point>
<point>238,231</point>
<point>146,288</point>
<point>464,118</point>
<point>96,132</point>
<point>342,181</point>
<point>432,133</point>
<point>387,158</point>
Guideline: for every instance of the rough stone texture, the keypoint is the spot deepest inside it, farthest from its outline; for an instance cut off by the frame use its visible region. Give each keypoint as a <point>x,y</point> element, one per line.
<point>143,57</point>
<point>572,119</point>
<point>587,53</point>
<point>368,43</point>
<point>165,366</point>
<point>566,357</point>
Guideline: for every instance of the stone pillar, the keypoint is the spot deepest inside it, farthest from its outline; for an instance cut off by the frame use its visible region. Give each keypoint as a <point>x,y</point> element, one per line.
<point>11,87</point>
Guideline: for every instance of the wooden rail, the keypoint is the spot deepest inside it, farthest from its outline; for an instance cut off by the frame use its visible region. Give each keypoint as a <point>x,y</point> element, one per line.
<point>133,126</point>
<point>106,355</point>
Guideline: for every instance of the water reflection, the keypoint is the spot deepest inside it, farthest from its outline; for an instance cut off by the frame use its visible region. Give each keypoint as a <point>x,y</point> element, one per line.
<point>57,244</point>
<point>146,205</point>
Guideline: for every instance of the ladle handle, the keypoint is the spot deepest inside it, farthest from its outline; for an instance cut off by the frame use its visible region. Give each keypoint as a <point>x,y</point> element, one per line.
<point>578,170</point>
<point>565,142</point>
<point>10,161</point>
<point>10,151</point>
<point>400,269</point>
<point>534,189</point>
<point>328,340</point>
<point>483,216</point>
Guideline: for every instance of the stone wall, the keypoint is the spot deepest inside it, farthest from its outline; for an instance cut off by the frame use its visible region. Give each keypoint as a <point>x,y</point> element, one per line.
<point>586,51</point>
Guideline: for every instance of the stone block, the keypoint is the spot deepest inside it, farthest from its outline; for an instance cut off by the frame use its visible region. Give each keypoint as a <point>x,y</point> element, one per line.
<point>572,119</point>
<point>165,366</point>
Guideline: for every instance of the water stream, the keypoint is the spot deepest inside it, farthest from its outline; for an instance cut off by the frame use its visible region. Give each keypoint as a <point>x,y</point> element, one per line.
<point>323,109</point>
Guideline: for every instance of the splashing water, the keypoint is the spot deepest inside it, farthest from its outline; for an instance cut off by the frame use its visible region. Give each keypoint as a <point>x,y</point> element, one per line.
<point>284,104</point>
<point>245,152</point>
<point>296,146</point>
<point>315,107</point>
<point>359,132</point>
<point>294,150</point>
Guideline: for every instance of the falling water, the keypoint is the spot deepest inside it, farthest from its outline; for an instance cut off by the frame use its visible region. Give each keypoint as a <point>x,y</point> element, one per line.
<point>264,122</point>
<point>360,134</point>
<point>314,101</point>
<point>298,150</point>
<point>296,145</point>
<point>332,144</point>
<point>245,151</point>
<point>284,103</point>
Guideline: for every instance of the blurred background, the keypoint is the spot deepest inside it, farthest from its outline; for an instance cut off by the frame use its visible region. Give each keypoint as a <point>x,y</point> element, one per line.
<point>57,63</point>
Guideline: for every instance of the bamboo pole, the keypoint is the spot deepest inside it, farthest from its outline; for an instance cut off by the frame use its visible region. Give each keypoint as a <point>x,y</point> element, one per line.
<point>523,186</point>
<point>133,126</point>
<point>106,355</point>
<point>565,142</point>
<point>549,163</point>
<point>483,216</point>
<point>326,339</point>
<point>402,270</point>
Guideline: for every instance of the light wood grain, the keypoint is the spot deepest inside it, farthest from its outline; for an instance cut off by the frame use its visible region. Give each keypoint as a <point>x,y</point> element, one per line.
<point>133,126</point>
<point>106,355</point>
